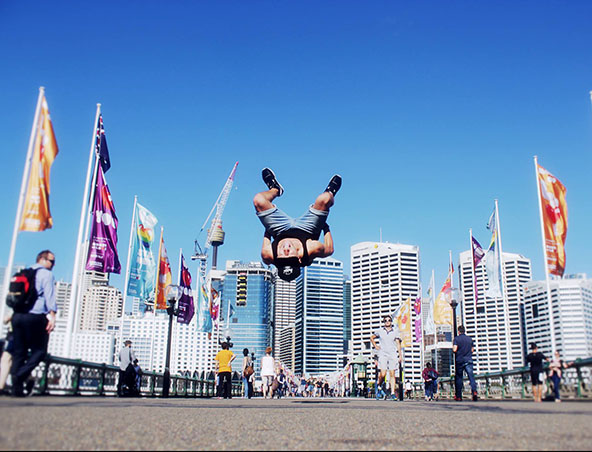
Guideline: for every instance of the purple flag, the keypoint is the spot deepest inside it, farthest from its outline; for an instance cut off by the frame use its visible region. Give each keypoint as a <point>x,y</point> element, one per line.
<point>478,254</point>
<point>186,307</point>
<point>102,251</point>
<point>418,329</point>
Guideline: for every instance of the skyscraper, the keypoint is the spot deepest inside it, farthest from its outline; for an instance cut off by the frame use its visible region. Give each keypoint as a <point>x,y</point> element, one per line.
<point>319,317</point>
<point>347,330</point>
<point>247,297</point>
<point>571,299</point>
<point>284,307</point>
<point>487,323</point>
<point>101,303</point>
<point>383,275</point>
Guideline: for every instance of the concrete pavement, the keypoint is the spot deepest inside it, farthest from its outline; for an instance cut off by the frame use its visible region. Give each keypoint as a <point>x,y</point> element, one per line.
<point>73,423</point>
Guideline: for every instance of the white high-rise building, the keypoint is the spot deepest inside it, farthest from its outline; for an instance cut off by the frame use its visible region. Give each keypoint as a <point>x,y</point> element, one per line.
<point>190,349</point>
<point>319,317</point>
<point>284,307</point>
<point>383,275</point>
<point>286,349</point>
<point>571,298</point>
<point>487,323</point>
<point>100,305</point>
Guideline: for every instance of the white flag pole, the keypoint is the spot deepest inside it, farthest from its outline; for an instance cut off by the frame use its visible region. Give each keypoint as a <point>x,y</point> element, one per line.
<point>433,307</point>
<point>127,270</point>
<point>92,158</point>
<point>155,300</point>
<point>504,292</point>
<point>20,206</point>
<point>549,301</point>
<point>473,272</point>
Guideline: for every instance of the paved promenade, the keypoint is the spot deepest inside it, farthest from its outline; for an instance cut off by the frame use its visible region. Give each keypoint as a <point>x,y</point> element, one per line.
<point>74,423</point>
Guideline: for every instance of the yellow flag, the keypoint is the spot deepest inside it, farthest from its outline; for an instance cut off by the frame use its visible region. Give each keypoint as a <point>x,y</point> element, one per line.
<point>442,308</point>
<point>403,319</point>
<point>36,214</point>
<point>165,277</point>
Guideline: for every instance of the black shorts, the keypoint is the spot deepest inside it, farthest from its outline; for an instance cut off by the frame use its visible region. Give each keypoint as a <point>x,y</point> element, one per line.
<point>535,377</point>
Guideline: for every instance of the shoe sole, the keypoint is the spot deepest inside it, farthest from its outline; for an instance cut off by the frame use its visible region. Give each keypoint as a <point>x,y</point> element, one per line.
<point>279,187</point>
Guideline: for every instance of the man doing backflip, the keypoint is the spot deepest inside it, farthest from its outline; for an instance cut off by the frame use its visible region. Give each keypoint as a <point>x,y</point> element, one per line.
<point>389,354</point>
<point>295,240</point>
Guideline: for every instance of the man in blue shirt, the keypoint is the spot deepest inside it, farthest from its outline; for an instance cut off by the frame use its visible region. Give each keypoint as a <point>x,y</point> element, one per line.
<point>463,353</point>
<point>31,330</point>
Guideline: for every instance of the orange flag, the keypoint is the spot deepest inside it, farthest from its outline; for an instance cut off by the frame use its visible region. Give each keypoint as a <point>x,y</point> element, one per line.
<point>165,277</point>
<point>36,214</point>
<point>443,314</point>
<point>552,193</point>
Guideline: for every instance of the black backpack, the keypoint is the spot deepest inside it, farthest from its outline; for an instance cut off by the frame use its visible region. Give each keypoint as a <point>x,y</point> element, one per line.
<point>22,293</point>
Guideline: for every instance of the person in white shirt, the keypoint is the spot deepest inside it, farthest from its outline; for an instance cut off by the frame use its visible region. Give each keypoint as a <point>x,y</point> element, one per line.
<point>267,372</point>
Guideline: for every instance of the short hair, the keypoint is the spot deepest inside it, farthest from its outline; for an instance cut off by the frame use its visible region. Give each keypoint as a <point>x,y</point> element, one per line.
<point>387,317</point>
<point>428,364</point>
<point>533,345</point>
<point>268,350</point>
<point>43,255</point>
<point>461,329</point>
<point>246,351</point>
<point>225,346</point>
<point>127,342</point>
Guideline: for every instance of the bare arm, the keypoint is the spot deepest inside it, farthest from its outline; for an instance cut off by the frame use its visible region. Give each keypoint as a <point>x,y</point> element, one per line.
<point>377,347</point>
<point>318,249</point>
<point>266,252</point>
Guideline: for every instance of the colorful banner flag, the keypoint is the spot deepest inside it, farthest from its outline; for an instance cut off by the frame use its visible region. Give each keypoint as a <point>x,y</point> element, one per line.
<point>36,215</point>
<point>430,326</point>
<point>402,317</point>
<point>204,316</point>
<point>554,211</point>
<point>186,306</point>
<point>215,305</point>
<point>442,309</point>
<point>478,254</point>
<point>143,264</point>
<point>102,250</point>
<point>418,329</point>
<point>164,278</point>
<point>101,146</point>
<point>492,261</point>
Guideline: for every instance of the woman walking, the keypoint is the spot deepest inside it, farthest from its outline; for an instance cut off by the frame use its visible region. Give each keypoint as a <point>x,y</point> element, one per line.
<point>247,374</point>
<point>267,373</point>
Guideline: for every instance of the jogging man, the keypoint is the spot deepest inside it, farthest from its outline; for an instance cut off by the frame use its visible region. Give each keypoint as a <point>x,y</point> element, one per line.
<point>389,354</point>
<point>295,241</point>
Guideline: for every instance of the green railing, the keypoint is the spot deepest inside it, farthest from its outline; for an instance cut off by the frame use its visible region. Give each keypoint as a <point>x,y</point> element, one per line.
<point>576,383</point>
<point>62,376</point>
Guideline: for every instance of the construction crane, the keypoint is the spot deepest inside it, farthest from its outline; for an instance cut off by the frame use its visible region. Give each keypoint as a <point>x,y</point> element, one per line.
<point>216,234</point>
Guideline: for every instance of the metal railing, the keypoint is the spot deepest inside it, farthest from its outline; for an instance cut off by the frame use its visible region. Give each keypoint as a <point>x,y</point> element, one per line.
<point>576,383</point>
<point>62,376</point>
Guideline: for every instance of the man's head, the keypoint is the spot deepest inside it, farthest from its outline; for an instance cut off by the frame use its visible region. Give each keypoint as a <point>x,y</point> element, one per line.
<point>288,268</point>
<point>127,343</point>
<point>225,346</point>
<point>46,258</point>
<point>461,330</point>
<point>268,350</point>
<point>388,321</point>
<point>287,248</point>
<point>533,346</point>
<point>428,365</point>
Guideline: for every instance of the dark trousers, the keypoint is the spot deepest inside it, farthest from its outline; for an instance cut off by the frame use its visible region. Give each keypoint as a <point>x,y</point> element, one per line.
<point>556,385</point>
<point>226,384</point>
<point>458,379</point>
<point>29,336</point>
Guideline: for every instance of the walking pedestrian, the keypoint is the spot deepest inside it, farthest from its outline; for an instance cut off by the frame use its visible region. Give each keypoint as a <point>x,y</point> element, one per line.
<point>430,378</point>
<point>32,326</point>
<point>295,241</point>
<point>248,372</point>
<point>463,354</point>
<point>389,355</point>
<point>224,359</point>
<point>556,367</point>
<point>267,373</point>
<point>535,359</point>
<point>6,360</point>
<point>127,374</point>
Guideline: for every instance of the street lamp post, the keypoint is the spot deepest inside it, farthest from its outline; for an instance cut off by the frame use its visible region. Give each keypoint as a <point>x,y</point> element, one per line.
<point>173,293</point>
<point>455,298</point>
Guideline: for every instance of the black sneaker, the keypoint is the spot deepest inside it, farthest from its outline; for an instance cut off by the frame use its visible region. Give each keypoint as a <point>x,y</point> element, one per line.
<point>29,387</point>
<point>334,184</point>
<point>271,181</point>
<point>475,396</point>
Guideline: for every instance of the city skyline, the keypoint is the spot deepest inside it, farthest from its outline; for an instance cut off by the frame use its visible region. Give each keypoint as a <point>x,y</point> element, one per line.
<point>429,114</point>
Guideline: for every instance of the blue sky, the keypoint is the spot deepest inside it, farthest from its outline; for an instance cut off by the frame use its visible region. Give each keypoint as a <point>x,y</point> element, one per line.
<point>429,111</point>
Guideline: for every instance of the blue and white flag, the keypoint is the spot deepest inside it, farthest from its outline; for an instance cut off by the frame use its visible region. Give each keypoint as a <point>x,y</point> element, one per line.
<point>142,275</point>
<point>492,261</point>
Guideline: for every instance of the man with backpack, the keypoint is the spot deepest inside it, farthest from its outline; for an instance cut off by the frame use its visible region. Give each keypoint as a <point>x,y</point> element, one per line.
<point>31,296</point>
